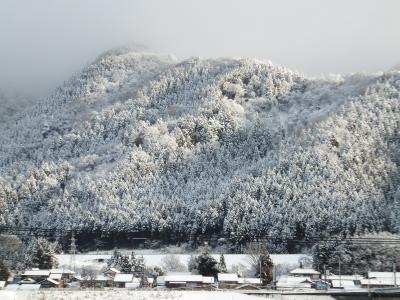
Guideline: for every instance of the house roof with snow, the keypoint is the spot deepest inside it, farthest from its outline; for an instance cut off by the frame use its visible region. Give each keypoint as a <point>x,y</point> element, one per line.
<point>49,280</point>
<point>132,285</point>
<point>27,280</point>
<point>378,281</point>
<point>208,279</point>
<point>294,282</point>
<point>228,277</point>
<point>383,274</point>
<point>336,283</point>
<point>123,277</point>
<point>300,271</point>
<point>249,280</point>
<point>55,276</point>
<point>344,277</point>
<point>62,271</point>
<point>112,270</point>
<point>36,273</point>
<point>183,278</point>
<point>102,278</point>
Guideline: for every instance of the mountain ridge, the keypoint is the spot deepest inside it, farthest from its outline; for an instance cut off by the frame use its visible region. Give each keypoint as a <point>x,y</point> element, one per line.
<point>139,142</point>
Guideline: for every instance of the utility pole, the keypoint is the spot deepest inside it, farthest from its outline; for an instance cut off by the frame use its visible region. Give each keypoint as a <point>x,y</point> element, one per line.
<point>326,286</point>
<point>340,274</point>
<point>72,252</point>
<point>394,274</point>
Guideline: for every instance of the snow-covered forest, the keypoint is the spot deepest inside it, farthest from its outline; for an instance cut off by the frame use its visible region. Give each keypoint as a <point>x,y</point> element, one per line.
<point>143,142</point>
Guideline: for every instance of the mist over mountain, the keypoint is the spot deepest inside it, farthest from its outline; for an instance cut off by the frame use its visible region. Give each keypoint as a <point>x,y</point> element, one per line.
<point>143,142</point>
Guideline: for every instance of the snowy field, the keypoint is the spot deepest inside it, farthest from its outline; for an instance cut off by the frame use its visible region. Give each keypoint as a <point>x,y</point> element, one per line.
<point>240,260</point>
<point>122,295</point>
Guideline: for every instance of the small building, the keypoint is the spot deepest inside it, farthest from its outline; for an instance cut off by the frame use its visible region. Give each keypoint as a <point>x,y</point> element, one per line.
<point>342,284</point>
<point>134,284</point>
<point>309,273</point>
<point>293,282</point>
<point>227,280</point>
<point>27,280</point>
<point>50,283</point>
<point>111,272</point>
<point>183,281</point>
<point>248,280</point>
<point>378,282</point>
<point>120,280</point>
<point>36,274</point>
<point>247,287</point>
<point>383,275</point>
<point>62,274</point>
<point>2,285</point>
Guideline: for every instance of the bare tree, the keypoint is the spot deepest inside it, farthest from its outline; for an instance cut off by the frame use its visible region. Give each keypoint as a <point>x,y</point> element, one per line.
<point>89,274</point>
<point>172,263</point>
<point>260,261</point>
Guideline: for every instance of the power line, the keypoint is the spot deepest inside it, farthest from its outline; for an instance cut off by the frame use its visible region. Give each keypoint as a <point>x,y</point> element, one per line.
<point>64,232</point>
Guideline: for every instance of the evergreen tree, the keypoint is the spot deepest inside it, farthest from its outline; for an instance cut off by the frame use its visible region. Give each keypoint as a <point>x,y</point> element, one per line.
<point>126,265</point>
<point>41,254</point>
<point>207,265</point>
<point>116,260</point>
<point>4,272</point>
<point>143,281</point>
<point>266,268</point>
<point>222,264</point>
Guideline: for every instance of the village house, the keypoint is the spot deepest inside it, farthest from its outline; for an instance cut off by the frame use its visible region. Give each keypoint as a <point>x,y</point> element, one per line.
<point>2,285</point>
<point>135,283</point>
<point>50,283</point>
<point>232,280</point>
<point>120,280</point>
<point>381,280</point>
<point>344,281</point>
<point>227,280</point>
<point>61,274</point>
<point>27,280</point>
<point>36,274</point>
<point>308,273</point>
<point>188,281</point>
<point>111,272</point>
<point>293,282</point>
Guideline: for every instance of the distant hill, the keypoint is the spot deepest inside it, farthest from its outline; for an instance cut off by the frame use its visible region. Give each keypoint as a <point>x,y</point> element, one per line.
<point>142,142</point>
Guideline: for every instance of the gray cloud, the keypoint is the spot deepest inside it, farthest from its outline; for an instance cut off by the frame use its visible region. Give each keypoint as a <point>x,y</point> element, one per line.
<point>44,41</point>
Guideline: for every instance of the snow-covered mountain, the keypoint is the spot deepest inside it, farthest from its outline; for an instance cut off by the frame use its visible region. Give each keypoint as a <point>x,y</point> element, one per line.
<point>142,142</point>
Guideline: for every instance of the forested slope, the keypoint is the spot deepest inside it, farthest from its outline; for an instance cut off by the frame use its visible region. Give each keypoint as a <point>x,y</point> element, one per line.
<point>139,142</point>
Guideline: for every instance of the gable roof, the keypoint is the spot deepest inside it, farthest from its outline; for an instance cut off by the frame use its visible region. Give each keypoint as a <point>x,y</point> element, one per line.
<point>184,278</point>
<point>336,283</point>
<point>27,280</point>
<point>62,271</point>
<point>305,271</point>
<point>55,276</point>
<point>208,279</point>
<point>383,274</point>
<point>49,280</point>
<point>123,277</point>
<point>113,270</point>
<point>249,280</point>
<point>31,273</point>
<point>228,277</point>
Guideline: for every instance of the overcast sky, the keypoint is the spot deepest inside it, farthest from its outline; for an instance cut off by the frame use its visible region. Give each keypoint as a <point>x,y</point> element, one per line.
<point>43,42</point>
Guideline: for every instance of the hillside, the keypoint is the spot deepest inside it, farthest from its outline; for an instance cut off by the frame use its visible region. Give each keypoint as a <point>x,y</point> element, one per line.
<point>141,142</point>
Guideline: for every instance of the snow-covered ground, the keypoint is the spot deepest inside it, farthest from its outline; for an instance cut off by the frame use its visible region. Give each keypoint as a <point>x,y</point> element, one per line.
<point>240,260</point>
<point>121,294</point>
